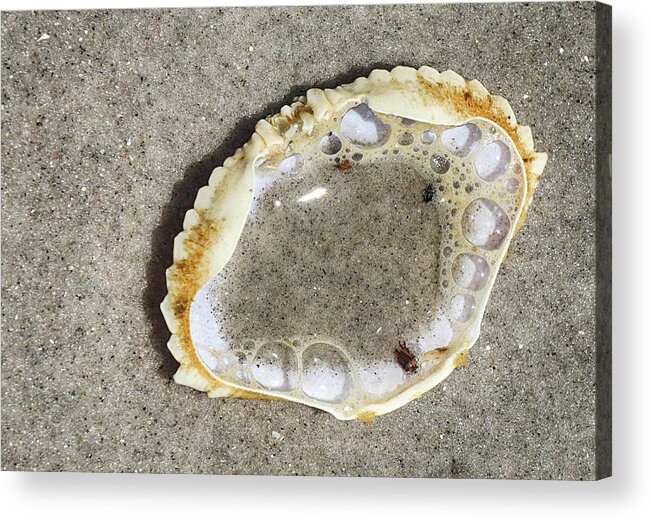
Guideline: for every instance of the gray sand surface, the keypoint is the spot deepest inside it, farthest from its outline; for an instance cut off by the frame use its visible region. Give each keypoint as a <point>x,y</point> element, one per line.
<point>112,121</point>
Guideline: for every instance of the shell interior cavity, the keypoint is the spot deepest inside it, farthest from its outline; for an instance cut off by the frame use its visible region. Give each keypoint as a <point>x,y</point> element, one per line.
<point>345,256</point>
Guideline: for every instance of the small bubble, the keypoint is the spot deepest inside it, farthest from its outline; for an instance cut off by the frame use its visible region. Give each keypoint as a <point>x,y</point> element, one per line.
<point>512,185</point>
<point>461,140</point>
<point>439,164</point>
<point>364,128</point>
<point>291,164</point>
<point>428,137</point>
<point>330,143</point>
<point>461,307</point>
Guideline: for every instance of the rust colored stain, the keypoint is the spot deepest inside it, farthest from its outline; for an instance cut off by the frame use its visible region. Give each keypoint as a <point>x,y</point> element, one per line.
<point>461,359</point>
<point>344,165</point>
<point>185,279</point>
<point>366,416</point>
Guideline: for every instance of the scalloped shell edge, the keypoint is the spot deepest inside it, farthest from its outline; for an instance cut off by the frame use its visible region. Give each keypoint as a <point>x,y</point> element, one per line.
<point>424,95</point>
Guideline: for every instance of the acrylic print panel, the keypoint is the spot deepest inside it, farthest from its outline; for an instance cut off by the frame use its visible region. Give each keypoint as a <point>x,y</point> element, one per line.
<point>388,256</point>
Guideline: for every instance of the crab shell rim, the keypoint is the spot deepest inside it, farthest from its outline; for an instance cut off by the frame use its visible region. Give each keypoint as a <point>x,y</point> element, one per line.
<point>423,95</point>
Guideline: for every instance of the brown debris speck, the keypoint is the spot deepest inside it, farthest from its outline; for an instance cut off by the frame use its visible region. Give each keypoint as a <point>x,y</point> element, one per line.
<point>406,359</point>
<point>344,165</point>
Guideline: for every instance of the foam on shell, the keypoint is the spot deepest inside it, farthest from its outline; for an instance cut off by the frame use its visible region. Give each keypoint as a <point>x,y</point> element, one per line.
<point>343,257</point>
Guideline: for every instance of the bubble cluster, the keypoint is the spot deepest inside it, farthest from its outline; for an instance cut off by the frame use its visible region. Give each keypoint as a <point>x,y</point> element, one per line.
<point>465,180</point>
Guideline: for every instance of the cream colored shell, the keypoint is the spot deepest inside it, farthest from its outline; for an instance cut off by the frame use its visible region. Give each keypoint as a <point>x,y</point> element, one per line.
<point>212,228</point>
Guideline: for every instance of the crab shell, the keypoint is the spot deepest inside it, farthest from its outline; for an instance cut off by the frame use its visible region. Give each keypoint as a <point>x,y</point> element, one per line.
<point>210,234</point>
